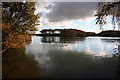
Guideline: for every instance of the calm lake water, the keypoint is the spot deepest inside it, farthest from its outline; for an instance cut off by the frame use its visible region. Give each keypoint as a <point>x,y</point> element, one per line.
<point>57,57</point>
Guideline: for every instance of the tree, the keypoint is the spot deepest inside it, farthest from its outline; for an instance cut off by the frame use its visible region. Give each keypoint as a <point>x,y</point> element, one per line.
<point>105,9</point>
<point>20,15</point>
<point>17,19</point>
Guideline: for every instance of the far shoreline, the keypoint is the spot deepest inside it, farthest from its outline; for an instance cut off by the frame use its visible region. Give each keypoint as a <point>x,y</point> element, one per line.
<point>77,33</point>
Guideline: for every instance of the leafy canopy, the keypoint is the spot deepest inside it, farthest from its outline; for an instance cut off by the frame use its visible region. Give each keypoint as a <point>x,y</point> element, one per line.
<point>20,15</point>
<point>105,9</point>
<point>17,19</point>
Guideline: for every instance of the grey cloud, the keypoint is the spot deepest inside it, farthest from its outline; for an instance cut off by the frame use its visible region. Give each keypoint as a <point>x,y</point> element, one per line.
<point>49,6</point>
<point>62,11</point>
<point>41,6</point>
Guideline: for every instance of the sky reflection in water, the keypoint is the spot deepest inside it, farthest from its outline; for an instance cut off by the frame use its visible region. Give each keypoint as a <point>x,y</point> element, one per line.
<point>98,46</point>
<point>74,56</point>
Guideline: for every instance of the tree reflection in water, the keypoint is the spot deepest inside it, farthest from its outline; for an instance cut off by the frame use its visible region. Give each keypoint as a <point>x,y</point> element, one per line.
<point>117,55</point>
<point>117,51</point>
<point>62,57</point>
<point>15,64</point>
<point>52,39</point>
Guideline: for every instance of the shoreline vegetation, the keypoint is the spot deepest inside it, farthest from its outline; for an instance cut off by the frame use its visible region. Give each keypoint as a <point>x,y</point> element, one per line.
<point>18,19</point>
<point>66,33</point>
<point>77,33</point>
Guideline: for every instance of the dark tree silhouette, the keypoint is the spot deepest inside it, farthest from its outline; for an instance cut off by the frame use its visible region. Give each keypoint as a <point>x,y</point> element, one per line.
<point>105,9</point>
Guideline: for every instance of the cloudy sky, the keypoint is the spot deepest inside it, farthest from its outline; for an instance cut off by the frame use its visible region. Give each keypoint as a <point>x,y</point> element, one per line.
<point>75,15</point>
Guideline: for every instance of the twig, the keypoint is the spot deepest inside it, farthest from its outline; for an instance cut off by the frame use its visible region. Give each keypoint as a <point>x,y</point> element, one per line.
<point>3,50</point>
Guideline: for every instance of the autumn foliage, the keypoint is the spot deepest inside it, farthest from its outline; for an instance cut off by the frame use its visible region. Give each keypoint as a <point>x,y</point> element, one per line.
<point>12,40</point>
<point>17,19</point>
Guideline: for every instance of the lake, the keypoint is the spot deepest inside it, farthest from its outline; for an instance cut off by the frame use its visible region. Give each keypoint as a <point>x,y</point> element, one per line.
<point>60,57</point>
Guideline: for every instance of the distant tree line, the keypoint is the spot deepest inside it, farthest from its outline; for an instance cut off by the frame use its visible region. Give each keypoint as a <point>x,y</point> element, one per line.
<point>78,33</point>
<point>64,32</point>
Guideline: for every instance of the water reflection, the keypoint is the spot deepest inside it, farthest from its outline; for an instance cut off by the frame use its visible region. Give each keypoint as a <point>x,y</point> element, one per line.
<point>74,57</point>
<point>47,57</point>
<point>74,64</point>
<point>111,39</point>
<point>40,53</point>
<point>15,64</point>
<point>51,39</point>
<point>117,51</point>
<point>99,46</point>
